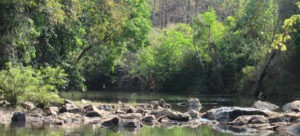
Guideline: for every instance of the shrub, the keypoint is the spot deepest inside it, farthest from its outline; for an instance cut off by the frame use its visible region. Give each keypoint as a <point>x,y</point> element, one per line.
<point>35,85</point>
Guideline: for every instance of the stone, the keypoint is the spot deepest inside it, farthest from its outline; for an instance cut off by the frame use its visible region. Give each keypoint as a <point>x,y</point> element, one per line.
<point>70,108</point>
<point>113,122</point>
<point>130,123</point>
<point>162,103</point>
<point>155,104</point>
<point>193,113</point>
<point>93,114</point>
<point>66,101</point>
<point>292,107</point>
<point>141,111</point>
<point>83,101</point>
<point>194,103</point>
<point>51,110</point>
<point>177,116</point>
<point>4,103</point>
<point>105,107</point>
<point>70,117</point>
<point>36,112</point>
<point>93,120</point>
<point>137,116</point>
<point>228,114</point>
<point>149,118</point>
<point>249,119</point>
<point>294,129</point>
<point>58,122</point>
<point>131,110</point>
<point>28,105</point>
<point>183,104</point>
<point>160,113</point>
<point>265,105</point>
<point>18,116</point>
<point>90,107</point>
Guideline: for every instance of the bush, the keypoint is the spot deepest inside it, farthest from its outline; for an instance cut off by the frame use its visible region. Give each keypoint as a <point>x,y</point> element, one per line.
<point>35,85</point>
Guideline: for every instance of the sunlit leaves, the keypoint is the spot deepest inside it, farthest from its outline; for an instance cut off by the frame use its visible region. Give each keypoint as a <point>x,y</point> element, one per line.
<point>29,84</point>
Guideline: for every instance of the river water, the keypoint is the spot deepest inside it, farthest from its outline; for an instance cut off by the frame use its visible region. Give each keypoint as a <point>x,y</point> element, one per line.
<point>208,102</point>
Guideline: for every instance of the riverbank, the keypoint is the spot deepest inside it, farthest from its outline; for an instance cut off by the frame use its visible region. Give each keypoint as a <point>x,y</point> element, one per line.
<point>249,120</point>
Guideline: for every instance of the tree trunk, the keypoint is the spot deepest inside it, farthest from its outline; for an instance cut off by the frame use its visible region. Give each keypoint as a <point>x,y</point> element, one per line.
<point>153,12</point>
<point>257,88</point>
<point>196,7</point>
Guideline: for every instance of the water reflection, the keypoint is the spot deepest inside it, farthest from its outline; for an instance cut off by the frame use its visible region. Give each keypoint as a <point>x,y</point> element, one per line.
<point>90,130</point>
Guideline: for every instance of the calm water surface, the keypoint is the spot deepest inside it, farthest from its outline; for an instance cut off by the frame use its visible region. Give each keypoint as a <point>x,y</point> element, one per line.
<point>208,102</point>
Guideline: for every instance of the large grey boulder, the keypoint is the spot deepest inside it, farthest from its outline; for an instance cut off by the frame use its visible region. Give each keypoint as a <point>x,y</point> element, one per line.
<point>18,116</point>
<point>292,107</point>
<point>265,105</point>
<point>227,114</point>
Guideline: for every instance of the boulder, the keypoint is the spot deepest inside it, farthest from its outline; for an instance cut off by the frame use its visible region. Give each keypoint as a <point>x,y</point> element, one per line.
<point>265,105</point>
<point>36,112</point>
<point>130,123</point>
<point>83,101</point>
<point>90,107</point>
<point>93,120</point>
<point>149,118</point>
<point>93,114</point>
<point>18,116</point>
<point>28,105</point>
<point>194,103</point>
<point>227,114</point>
<point>131,110</point>
<point>68,118</point>
<point>155,104</point>
<point>70,108</point>
<point>137,116</point>
<point>4,103</point>
<point>51,111</point>
<point>160,113</point>
<point>249,119</point>
<point>193,113</point>
<point>105,107</point>
<point>114,122</point>
<point>66,101</point>
<point>292,107</point>
<point>141,111</point>
<point>177,116</point>
<point>162,103</point>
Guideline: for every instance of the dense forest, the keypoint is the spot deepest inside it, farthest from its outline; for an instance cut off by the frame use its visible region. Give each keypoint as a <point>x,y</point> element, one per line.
<point>248,47</point>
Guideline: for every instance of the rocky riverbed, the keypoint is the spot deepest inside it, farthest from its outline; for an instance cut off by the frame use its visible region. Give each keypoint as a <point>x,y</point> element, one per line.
<point>259,119</point>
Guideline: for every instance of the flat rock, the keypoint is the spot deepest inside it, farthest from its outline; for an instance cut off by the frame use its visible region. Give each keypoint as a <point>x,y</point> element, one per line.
<point>178,116</point>
<point>249,119</point>
<point>265,105</point>
<point>137,116</point>
<point>228,114</point>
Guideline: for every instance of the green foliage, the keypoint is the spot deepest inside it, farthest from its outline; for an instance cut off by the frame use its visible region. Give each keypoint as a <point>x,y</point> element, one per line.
<point>159,62</point>
<point>35,85</point>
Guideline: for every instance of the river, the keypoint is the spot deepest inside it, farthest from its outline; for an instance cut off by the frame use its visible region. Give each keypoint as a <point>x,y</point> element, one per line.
<point>208,102</point>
